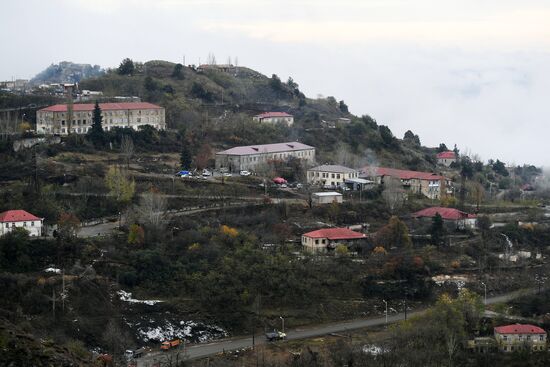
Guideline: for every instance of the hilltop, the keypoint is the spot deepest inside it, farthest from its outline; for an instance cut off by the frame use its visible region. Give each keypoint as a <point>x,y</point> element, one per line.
<point>214,104</point>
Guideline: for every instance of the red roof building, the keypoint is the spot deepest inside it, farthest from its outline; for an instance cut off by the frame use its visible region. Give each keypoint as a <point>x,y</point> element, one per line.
<point>516,337</point>
<point>329,238</point>
<point>460,218</point>
<point>56,120</point>
<point>446,213</point>
<point>17,216</point>
<point>77,107</point>
<point>275,117</point>
<point>12,219</point>
<point>428,184</point>
<point>446,158</point>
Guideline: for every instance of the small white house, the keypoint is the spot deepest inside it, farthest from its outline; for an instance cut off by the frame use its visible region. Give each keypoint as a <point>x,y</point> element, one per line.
<point>11,219</point>
<point>275,117</point>
<point>328,197</point>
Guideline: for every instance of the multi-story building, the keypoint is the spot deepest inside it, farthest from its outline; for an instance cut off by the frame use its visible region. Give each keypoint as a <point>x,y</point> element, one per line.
<point>516,337</point>
<point>11,219</point>
<point>328,238</point>
<point>275,117</point>
<point>428,184</point>
<point>55,119</point>
<point>330,175</point>
<point>251,156</point>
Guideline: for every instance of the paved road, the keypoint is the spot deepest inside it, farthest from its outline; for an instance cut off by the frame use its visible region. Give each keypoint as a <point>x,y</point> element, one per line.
<point>204,350</point>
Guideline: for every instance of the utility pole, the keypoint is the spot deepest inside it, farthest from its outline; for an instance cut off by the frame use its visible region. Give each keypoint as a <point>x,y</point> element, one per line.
<point>386,303</point>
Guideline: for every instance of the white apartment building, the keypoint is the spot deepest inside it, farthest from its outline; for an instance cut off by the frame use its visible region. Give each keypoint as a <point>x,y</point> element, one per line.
<point>330,175</point>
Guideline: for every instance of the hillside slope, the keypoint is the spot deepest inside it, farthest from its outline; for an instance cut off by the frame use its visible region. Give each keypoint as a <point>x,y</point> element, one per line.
<point>214,105</point>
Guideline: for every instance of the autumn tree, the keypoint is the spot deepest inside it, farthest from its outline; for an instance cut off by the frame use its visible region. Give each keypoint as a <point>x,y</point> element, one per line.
<point>203,156</point>
<point>67,226</point>
<point>136,235</point>
<point>395,233</point>
<point>120,185</point>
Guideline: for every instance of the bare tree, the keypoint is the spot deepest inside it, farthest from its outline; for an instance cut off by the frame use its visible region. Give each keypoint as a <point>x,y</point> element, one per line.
<point>127,149</point>
<point>152,212</point>
<point>393,193</point>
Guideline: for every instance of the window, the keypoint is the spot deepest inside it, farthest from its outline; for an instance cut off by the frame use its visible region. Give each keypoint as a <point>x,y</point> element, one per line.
<point>62,122</point>
<point>24,224</point>
<point>338,175</point>
<point>505,337</point>
<point>541,337</point>
<point>528,337</point>
<point>32,224</point>
<point>316,242</point>
<point>332,175</point>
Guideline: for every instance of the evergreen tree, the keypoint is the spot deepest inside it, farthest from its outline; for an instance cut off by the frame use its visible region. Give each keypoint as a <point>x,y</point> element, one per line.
<point>343,107</point>
<point>178,71</point>
<point>126,67</point>
<point>437,230</point>
<point>185,157</point>
<point>96,133</point>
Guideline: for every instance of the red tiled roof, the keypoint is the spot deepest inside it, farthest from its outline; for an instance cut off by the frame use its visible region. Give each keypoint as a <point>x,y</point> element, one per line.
<point>335,234</point>
<point>17,216</point>
<point>519,329</point>
<point>273,114</point>
<point>449,154</point>
<point>446,213</point>
<point>404,174</point>
<point>78,107</point>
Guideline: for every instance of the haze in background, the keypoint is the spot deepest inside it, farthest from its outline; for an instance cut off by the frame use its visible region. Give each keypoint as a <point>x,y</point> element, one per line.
<point>474,73</point>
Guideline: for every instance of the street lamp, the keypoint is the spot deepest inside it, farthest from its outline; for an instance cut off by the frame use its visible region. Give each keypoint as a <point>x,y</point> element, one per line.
<point>485,288</point>
<point>386,303</point>
<point>283,321</point>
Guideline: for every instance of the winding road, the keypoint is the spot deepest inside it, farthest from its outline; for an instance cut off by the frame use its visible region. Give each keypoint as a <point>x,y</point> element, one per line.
<point>205,350</point>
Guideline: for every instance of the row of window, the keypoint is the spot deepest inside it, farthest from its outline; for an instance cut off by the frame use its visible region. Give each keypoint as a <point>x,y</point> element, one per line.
<point>521,338</point>
<point>113,113</point>
<point>276,156</point>
<point>13,224</point>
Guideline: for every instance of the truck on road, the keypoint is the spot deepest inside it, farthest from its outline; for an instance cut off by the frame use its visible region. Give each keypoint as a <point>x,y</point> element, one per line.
<point>275,335</point>
<point>167,345</point>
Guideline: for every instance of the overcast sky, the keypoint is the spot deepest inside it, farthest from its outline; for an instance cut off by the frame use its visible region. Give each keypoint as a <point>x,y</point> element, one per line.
<point>475,73</point>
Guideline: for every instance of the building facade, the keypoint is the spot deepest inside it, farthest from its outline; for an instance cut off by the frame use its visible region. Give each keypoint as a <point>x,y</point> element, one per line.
<point>330,175</point>
<point>428,184</point>
<point>327,197</point>
<point>516,337</point>
<point>327,239</point>
<point>275,117</point>
<point>251,157</point>
<point>56,120</point>
<point>11,219</point>
<point>446,158</point>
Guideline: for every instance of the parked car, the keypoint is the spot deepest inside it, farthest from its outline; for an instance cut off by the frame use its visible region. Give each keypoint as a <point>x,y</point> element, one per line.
<point>227,174</point>
<point>245,173</point>
<point>275,335</point>
<point>183,173</point>
<point>206,173</point>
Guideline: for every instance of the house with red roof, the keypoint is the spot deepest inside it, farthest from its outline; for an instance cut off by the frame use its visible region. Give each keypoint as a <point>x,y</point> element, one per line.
<point>11,219</point>
<point>428,184</point>
<point>516,337</point>
<point>251,156</point>
<point>446,158</point>
<point>57,119</point>
<point>275,117</point>
<point>459,218</point>
<point>327,239</point>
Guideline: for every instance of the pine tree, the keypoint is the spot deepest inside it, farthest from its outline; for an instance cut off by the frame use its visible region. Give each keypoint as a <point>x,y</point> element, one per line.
<point>96,133</point>
<point>185,157</point>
